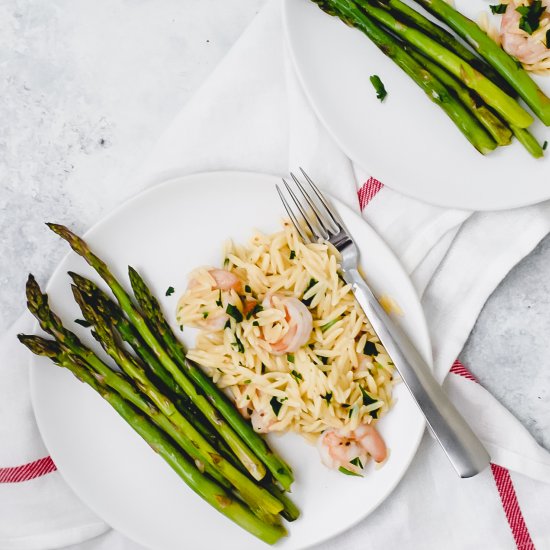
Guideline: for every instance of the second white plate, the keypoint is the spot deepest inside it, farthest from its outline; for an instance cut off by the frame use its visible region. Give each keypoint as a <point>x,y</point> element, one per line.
<point>165,233</point>
<point>407,142</point>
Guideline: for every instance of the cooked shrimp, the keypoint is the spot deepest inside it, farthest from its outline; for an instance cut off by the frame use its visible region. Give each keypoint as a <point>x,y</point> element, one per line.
<point>223,280</point>
<point>198,285</point>
<point>213,323</point>
<point>295,327</point>
<point>528,49</point>
<point>262,420</point>
<point>226,280</point>
<point>339,448</point>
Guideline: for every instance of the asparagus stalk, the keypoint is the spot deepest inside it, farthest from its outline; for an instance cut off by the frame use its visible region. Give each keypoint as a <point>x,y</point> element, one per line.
<point>498,130</point>
<point>215,495</point>
<point>245,455</point>
<point>352,15</point>
<point>151,307</point>
<point>291,511</point>
<point>529,142</point>
<point>257,497</point>
<point>404,12</point>
<point>507,107</point>
<point>505,64</point>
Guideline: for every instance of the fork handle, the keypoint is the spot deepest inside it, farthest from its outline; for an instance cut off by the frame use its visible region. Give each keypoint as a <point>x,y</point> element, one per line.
<point>462,447</point>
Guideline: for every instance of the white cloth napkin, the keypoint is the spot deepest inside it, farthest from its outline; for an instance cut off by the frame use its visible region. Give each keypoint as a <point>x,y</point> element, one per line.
<point>251,115</point>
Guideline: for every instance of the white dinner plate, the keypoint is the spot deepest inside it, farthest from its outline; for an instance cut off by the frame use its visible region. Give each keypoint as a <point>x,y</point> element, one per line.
<point>407,142</point>
<point>165,233</point>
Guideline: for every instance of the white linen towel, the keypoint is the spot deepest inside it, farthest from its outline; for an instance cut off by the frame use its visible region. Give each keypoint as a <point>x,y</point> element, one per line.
<point>251,115</point>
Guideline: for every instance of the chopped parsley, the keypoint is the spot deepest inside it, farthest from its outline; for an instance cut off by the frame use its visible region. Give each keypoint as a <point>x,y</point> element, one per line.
<point>256,309</point>
<point>292,255</point>
<point>247,288</point>
<point>370,349</point>
<point>311,284</point>
<point>498,9</point>
<point>545,146</point>
<point>327,397</point>
<point>181,328</point>
<point>356,462</point>
<point>247,382</point>
<point>238,344</point>
<point>548,38</point>
<point>530,16</point>
<point>381,92</point>
<point>227,324</point>
<point>83,323</point>
<point>276,404</point>
<point>325,327</point>
<point>369,400</point>
<point>234,312</point>
<point>348,472</point>
<point>169,291</point>
<point>219,302</point>
<point>350,413</point>
<point>290,358</point>
<point>367,397</point>
<point>255,324</point>
<point>296,375</point>
<point>226,263</point>
<point>204,314</point>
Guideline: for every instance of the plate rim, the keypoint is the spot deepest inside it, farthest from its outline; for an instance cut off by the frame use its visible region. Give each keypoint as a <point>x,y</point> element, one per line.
<point>34,386</point>
<point>289,41</point>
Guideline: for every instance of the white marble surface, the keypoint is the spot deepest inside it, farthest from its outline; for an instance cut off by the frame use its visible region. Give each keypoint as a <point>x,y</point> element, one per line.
<point>86,88</point>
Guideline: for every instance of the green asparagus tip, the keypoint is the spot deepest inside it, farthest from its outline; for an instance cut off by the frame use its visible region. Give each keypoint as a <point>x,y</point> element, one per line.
<point>83,304</point>
<point>80,281</point>
<point>37,302</point>
<point>75,242</point>
<point>39,345</point>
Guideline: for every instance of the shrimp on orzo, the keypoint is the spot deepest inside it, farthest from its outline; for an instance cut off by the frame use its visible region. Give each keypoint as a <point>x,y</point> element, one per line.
<point>351,450</point>
<point>530,49</point>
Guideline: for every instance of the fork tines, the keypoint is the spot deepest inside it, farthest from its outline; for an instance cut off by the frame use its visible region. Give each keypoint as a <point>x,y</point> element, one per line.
<point>313,217</point>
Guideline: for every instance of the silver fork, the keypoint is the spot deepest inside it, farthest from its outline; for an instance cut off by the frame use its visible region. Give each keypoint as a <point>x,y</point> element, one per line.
<point>315,220</point>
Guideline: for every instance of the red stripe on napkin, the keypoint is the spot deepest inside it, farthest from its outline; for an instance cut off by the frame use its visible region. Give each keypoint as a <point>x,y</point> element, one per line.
<point>505,487</point>
<point>511,508</point>
<point>461,370</point>
<point>368,191</point>
<point>28,471</point>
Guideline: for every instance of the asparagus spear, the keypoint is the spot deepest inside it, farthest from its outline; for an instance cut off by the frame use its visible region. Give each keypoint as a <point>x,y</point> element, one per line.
<point>291,511</point>
<point>352,15</point>
<point>529,142</point>
<point>257,497</point>
<point>507,107</point>
<point>245,455</point>
<point>498,130</point>
<point>149,304</point>
<point>404,12</point>
<point>215,495</point>
<point>505,64</point>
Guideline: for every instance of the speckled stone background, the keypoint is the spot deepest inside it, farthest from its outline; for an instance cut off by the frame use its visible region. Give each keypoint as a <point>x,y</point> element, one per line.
<point>85,90</point>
